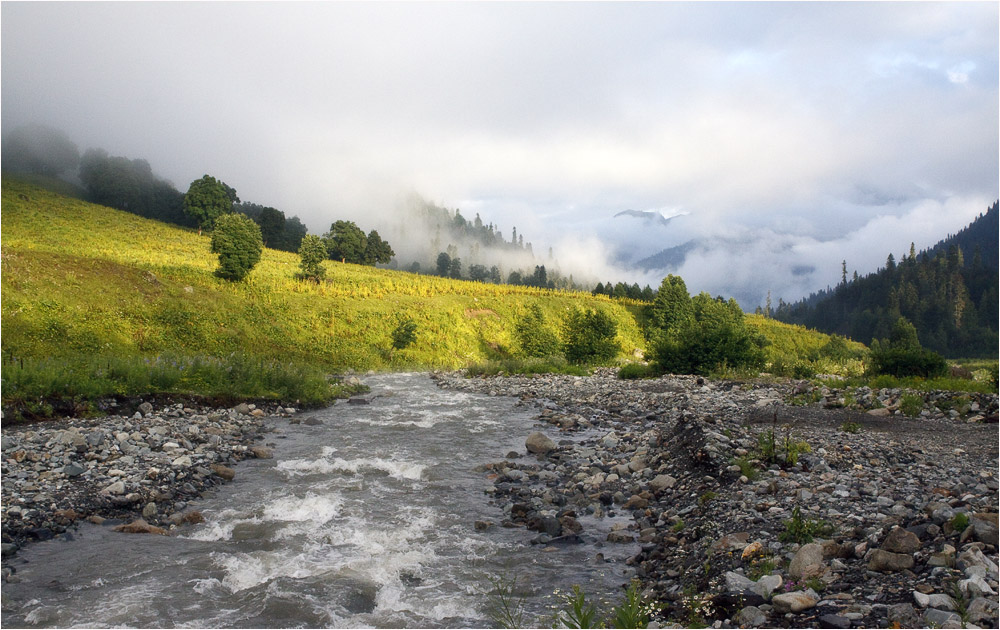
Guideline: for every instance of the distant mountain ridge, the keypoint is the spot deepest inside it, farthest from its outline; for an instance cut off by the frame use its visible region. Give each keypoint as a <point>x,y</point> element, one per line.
<point>647,215</point>
<point>949,292</point>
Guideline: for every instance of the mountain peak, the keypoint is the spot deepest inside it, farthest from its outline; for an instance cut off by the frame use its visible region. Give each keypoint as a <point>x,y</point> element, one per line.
<point>646,215</point>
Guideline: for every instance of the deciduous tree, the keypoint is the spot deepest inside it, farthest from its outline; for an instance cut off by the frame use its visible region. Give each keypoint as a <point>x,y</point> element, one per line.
<point>312,253</point>
<point>206,200</point>
<point>346,242</point>
<point>236,239</point>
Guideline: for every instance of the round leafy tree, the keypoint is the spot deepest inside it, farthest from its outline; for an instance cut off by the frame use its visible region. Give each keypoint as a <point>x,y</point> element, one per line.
<point>206,200</point>
<point>589,337</point>
<point>346,242</point>
<point>237,241</point>
<point>312,253</point>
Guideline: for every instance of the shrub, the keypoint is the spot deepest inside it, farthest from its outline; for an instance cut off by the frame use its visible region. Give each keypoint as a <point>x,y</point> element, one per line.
<point>959,522</point>
<point>632,612</point>
<point>747,468</point>
<point>803,530</point>
<point>578,613</point>
<point>850,427</point>
<point>636,370</point>
<point>536,338</point>
<point>714,335</point>
<point>312,253</point>
<point>903,362</point>
<point>404,334</point>
<point>911,405</point>
<point>589,337</point>
<point>901,355</point>
<point>237,241</point>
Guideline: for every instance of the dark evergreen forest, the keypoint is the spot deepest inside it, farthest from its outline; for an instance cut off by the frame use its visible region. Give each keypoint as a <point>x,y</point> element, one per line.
<point>949,292</point>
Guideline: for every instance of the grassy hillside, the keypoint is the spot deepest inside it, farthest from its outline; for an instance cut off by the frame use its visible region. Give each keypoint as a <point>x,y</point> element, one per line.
<point>81,281</point>
<point>790,346</point>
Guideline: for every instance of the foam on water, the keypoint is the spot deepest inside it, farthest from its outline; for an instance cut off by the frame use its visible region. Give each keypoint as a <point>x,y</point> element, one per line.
<point>394,468</point>
<point>323,465</point>
<point>314,508</point>
<point>379,553</point>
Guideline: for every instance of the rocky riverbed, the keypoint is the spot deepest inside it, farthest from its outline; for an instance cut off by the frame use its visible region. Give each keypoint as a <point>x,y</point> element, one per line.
<point>763,505</point>
<point>717,485</point>
<point>136,472</point>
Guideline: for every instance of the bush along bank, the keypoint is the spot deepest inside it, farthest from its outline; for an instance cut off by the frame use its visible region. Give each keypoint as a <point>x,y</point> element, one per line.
<point>969,407</point>
<point>746,511</point>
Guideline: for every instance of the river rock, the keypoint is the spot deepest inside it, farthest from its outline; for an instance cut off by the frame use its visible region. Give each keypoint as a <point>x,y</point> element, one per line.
<point>985,528</point>
<point>620,536</point>
<point>737,582</point>
<point>900,540</point>
<point>115,488</point>
<point>888,562</point>
<point>225,472</point>
<point>934,618</point>
<point>539,443</point>
<point>793,602</point>
<point>140,526</point>
<point>262,452</point>
<point>751,617</point>
<point>808,562</point>
<point>903,616</point>
<point>73,469</point>
<point>767,584</point>
<point>661,482</point>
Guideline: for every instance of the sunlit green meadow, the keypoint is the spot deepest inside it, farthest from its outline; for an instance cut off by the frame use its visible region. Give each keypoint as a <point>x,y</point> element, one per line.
<point>81,281</point>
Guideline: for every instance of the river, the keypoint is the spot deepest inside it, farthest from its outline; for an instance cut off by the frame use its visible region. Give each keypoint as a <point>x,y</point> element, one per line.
<point>364,519</point>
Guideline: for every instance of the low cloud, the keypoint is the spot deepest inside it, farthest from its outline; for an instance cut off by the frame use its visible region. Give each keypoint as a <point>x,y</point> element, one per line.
<point>795,133</point>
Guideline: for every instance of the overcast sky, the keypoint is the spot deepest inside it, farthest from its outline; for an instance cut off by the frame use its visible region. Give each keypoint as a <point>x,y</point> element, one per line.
<point>817,131</point>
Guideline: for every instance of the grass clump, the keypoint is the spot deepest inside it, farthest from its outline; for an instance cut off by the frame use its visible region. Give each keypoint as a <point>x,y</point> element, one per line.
<point>747,468</point>
<point>959,522</point>
<point>911,405</point>
<point>505,604</point>
<point>803,530</point>
<point>72,384</point>
<point>850,427</point>
<point>577,612</point>
<point>783,450</point>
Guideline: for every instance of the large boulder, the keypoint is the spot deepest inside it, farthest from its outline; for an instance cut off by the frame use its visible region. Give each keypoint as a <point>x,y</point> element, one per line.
<point>661,482</point>
<point>539,443</point>
<point>889,562</point>
<point>793,602</point>
<point>140,526</point>
<point>808,562</point>
<point>900,540</point>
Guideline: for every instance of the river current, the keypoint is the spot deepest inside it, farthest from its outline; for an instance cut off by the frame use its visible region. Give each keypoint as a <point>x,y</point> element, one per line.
<point>365,519</point>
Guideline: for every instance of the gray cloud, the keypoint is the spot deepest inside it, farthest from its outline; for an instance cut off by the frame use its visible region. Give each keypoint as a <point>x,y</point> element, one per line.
<point>814,123</point>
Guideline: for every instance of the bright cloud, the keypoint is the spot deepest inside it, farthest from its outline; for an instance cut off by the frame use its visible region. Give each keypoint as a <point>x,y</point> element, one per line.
<point>801,126</point>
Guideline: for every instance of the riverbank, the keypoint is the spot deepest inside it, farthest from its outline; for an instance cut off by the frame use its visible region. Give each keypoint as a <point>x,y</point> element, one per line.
<point>902,511</point>
<point>122,469</point>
